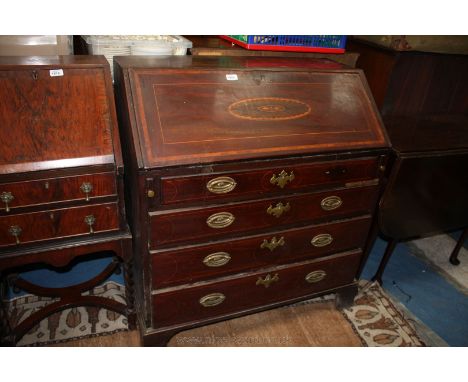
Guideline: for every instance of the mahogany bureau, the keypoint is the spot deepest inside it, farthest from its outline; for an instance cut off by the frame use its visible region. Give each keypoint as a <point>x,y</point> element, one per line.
<point>61,178</point>
<point>252,183</point>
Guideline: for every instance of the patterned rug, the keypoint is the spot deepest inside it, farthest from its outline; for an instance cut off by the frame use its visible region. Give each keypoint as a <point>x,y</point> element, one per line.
<point>68,324</point>
<point>374,318</point>
<point>378,322</point>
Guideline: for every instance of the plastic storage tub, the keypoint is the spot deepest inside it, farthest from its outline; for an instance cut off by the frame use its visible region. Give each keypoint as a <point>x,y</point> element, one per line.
<point>124,45</point>
<point>291,43</point>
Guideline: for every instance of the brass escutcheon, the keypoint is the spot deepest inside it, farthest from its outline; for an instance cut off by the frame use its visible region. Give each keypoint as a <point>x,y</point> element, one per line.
<point>278,210</point>
<point>90,220</point>
<point>6,198</point>
<point>217,259</point>
<point>220,220</point>
<point>331,203</point>
<point>315,276</point>
<point>321,240</point>
<point>282,179</point>
<point>221,185</point>
<point>86,187</point>
<point>268,280</point>
<point>212,299</point>
<point>15,231</point>
<point>151,194</point>
<point>273,244</point>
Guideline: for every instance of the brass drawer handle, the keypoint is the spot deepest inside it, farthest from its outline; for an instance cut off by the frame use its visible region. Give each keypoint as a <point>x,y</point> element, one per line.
<point>7,197</point>
<point>315,276</point>
<point>322,240</point>
<point>15,231</point>
<point>86,187</point>
<point>217,259</point>
<point>212,299</point>
<point>282,179</point>
<point>221,185</point>
<point>331,203</point>
<point>273,244</point>
<point>220,220</point>
<point>279,209</point>
<point>268,280</point>
<point>90,220</point>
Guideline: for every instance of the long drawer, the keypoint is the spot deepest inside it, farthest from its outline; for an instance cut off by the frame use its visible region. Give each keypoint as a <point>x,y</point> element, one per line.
<point>83,187</point>
<point>180,305</point>
<point>271,180</point>
<point>196,263</point>
<point>59,223</point>
<point>201,223</point>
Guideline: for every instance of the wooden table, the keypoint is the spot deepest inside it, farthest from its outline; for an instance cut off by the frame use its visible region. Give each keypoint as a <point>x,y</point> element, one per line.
<point>423,98</point>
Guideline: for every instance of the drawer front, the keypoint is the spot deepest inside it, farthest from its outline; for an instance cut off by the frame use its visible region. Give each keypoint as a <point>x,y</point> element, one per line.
<point>60,223</point>
<point>273,180</point>
<point>215,260</point>
<point>240,293</point>
<point>83,187</point>
<point>202,223</point>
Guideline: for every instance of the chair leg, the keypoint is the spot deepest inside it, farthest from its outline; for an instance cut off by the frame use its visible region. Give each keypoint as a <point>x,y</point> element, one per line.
<point>454,255</point>
<point>383,263</point>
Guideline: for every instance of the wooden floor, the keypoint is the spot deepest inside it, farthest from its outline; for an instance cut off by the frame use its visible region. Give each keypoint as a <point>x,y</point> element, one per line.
<point>313,324</point>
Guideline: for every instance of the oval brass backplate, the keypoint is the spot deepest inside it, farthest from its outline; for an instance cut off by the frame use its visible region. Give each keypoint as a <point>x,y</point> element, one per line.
<point>212,299</point>
<point>315,276</point>
<point>217,259</point>
<point>221,185</point>
<point>322,240</point>
<point>220,220</point>
<point>331,203</point>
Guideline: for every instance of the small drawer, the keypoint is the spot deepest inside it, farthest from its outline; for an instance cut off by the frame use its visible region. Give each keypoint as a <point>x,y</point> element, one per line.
<point>83,187</point>
<point>272,180</point>
<point>198,263</point>
<point>188,225</point>
<point>60,223</point>
<point>181,305</point>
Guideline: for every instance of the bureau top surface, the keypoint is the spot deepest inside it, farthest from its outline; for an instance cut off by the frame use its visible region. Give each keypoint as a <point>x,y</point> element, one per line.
<point>204,109</point>
<point>55,112</point>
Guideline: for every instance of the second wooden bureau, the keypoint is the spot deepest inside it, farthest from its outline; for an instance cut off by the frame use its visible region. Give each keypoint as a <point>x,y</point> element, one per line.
<point>252,183</point>
<point>61,181</point>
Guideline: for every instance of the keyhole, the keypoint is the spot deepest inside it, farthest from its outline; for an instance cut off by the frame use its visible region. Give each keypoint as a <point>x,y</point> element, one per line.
<point>35,74</point>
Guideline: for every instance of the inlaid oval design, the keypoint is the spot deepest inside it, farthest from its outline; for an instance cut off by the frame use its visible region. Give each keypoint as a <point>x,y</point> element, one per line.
<point>220,220</point>
<point>212,299</point>
<point>322,240</point>
<point>217,259</point>
<point>269,109</point>
<point>315,276</point>
<point>331,203</point>
<point>221,185</point>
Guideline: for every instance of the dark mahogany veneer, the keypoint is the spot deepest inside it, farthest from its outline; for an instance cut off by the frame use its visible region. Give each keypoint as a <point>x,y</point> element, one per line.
<point>252,183</point>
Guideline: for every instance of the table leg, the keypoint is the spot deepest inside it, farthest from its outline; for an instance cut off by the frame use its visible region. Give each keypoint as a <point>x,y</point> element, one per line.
<point>5,329</point>
<point>454,256</point>
<point>383,263</point>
